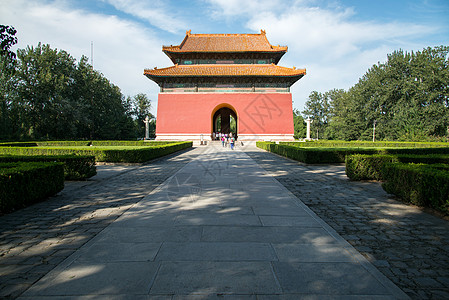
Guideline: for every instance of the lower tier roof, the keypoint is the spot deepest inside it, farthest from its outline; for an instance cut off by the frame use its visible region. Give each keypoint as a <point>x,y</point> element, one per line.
<point>224,70</point>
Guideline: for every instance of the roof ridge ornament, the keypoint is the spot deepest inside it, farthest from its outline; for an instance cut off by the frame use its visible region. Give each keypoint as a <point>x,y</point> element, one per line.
<point>263,31</point>
<point>189,32</point>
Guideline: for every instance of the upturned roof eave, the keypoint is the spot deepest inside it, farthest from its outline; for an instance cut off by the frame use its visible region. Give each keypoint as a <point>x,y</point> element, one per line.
<point>277,55</point>
<point>226,75</point>
<point>292,79</point>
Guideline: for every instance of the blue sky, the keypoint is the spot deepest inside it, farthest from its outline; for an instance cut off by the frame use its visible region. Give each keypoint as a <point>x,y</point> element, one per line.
<point>337,41</point>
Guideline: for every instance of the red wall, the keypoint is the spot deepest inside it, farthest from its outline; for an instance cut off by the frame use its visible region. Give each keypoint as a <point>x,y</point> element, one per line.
<point>190,113</point>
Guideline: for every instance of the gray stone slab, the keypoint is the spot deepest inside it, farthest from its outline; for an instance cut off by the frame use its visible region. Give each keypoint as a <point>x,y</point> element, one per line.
<point>216,251</point>
<point>210,219</point>
<point>218,210</point>
<point>142,219</point>
<point>264,202</point>
<point>88,278</point>
<point>215,296</point>
<point>200,203</point>
<point>286,210</point>
<point>312,253</point>
<point>148,234</point>
<point>327,278</point>
<point>99,297</point>
<point>221,192</point>
<point>303,221</point>
<point>324,297</point>
<point>272,196</point>
<point>207,278</point>
<point>281,234</point>
<point>119,252</point>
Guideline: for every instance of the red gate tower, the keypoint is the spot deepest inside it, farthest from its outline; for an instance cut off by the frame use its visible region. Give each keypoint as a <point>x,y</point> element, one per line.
<point>225,83</point>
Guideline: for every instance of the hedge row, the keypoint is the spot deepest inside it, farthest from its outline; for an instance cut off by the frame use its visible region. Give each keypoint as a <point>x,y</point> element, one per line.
<point>84,143</point>
<point>370,167</point>
<point>117,154</point>
<point>337,155</point>
<point>364,144</point>
<point>25,183</point>
<point>76,167</point>
<point>420,184</point>
<point>19,144</point>
<point>309,155</point>
<point>131,143</point>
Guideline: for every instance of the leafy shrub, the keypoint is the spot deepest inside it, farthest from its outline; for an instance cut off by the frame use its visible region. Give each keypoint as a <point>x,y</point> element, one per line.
<point>76,167</point>
<point>125,154</point>
<point>369,167</point>
<point>364,144</point>
<point>313,155</point>
<point>25,183</point>
<point>19,144</point>
<point>63,143</point>
<point>420,184</point>
<point>320,155</point>
<point>131,143</point>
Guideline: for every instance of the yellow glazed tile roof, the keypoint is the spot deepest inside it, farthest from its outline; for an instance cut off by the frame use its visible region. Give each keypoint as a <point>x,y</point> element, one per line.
<point>225,43</point>
<point>225,70</point>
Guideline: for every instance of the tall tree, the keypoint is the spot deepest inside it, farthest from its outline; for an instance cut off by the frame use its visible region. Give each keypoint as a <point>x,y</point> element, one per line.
<point>318,109</point>
<point>406,97</point>
<point>45,83</point>
<point>59,99</point>
<point>7,40</point>
<point>141,106</point>
<point>299,125</point>
<point>7,79</point>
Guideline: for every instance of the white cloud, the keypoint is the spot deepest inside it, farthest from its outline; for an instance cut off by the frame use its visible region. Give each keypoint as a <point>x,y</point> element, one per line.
<point>233,8</point>
<point>154,12</point>
<point>122,49</point>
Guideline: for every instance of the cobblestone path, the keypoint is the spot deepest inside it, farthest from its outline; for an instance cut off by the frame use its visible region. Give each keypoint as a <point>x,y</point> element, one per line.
<point>407,245</point>
<point>35,239</point>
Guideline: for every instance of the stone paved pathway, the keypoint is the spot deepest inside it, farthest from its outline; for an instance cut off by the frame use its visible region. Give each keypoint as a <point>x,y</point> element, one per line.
<point>406,244</point>
<point>36,239</point>
<point>219,227</point>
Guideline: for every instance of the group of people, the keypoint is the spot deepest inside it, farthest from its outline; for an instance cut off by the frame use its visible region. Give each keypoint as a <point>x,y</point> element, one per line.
<point>225,138</point>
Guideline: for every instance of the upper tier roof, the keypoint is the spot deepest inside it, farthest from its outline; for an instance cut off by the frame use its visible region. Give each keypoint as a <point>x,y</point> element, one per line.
<point>224,43</point>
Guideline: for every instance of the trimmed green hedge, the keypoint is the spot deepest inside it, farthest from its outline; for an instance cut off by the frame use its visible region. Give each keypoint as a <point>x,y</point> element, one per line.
<point>369,167</point>
<point>364,144</point>
<point>63,143</point>
<point>312,155</point>
<point>25,183</point>
<point>420,184</point>
<point>127,154</point>
<point>337,155</point>
<point>84,143</point>
<point>76,167</point>
<point>19,144</point>
<point>131,143</point>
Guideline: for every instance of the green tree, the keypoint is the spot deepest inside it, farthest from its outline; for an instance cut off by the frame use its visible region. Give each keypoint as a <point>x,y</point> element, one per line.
<point>407,98</point>
<point>7,79</point>
<point>44,90</point>
<point>299,125</point>
<point>317,107</point>
<point>7,40</point>
<point>138,107</point>
<point>56,98</point>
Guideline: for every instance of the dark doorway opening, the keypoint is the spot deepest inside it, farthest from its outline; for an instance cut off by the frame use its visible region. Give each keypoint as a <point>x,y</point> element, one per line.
<point>225,121</point>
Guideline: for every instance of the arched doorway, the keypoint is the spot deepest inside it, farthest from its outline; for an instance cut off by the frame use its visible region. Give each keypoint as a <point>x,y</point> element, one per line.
<point>224,120</point>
